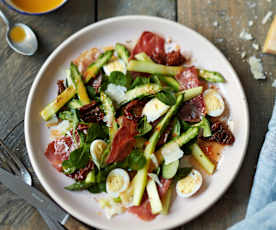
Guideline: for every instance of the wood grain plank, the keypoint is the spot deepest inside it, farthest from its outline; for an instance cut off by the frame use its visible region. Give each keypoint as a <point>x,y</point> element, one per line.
<point>16,76</point>
<point>232,17</point>
<point>17,71</point>
<point>111,8</point>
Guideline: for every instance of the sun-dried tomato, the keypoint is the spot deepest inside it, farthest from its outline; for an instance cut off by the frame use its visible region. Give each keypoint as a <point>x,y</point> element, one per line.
<point>134,109</point>
<point>159,58</point>
<point>221,134</point>
<point>88,107</point>
<point>91,113</point>
<point>175,58</point>
<point>165,135</point>
<point>61,86</point>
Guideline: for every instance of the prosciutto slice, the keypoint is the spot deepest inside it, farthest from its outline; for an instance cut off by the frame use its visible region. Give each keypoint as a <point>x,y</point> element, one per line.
<point>143,211</point>
<point>123,142</point>
<point>59,150</point>
<point>86,58</point>
<point>193,109</point>
<point>152,44</point>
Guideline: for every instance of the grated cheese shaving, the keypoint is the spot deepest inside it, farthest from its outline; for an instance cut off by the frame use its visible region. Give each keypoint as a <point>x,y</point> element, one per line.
<point>243,54</point>
<point>274,84</point>
<point>250,23</point>
<point>255,46</point>
<point>267,17</point>
<point>245,35</point>
<point>256,67</point>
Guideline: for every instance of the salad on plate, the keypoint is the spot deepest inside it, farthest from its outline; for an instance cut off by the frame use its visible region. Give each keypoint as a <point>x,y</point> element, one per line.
<point>134,123</point>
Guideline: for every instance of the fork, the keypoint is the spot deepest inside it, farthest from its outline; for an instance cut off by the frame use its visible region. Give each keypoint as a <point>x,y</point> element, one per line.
<point>10,162</point>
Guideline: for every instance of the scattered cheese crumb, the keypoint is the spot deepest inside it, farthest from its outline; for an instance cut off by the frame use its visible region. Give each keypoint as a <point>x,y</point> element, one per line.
<point>267,17</point>
<point>219,39</point>
<point>243,54</point>
<point>110,207</point>
<point>250,23</point>
<point>274,84</point>
<point>245,36</point>
<point>256,68</point>
<point>252,4</point>
<point>215,23</point>
<point>255,46</point>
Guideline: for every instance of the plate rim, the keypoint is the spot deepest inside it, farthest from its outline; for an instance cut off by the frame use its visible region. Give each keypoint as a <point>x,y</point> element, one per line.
<point>78,34</point>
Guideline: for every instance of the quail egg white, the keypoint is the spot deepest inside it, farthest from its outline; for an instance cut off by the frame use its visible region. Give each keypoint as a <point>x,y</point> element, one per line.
<point>213,102</point>
<point>117,181</point>
<point>97,148</point>
<point>189,185</point>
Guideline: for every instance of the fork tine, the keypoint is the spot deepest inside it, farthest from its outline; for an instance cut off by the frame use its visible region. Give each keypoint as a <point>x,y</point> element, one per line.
<point>8,164</point>
<point>22,169</point>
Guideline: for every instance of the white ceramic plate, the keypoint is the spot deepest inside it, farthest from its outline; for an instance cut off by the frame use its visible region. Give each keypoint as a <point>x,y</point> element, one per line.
<point>120,29</point>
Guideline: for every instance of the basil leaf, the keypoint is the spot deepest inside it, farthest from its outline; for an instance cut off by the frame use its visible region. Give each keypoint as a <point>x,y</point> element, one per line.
<point>136,160</point>
<point>68,167</point>
<point>167,97</point>
<point>77,186</point>
<point>118,78</point>
<point>182,172</point>
<point>156,79</point>
<point>185,125</point>
<point>140,81</point>
<point>80,157</point>
<point>104,83</point>
<point>143,126</point>
<point>97,188</point>
<point>91,91</point>
<point>96,131</point>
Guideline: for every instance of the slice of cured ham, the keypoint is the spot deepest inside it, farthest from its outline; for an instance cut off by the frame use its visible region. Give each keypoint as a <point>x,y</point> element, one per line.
<point>194,109</point>
<point>123,142</point>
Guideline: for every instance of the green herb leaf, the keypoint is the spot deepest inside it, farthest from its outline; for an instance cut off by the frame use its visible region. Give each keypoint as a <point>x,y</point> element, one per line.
<point>97,188</point>
<point>117,199</point>
<point>96,131</point>
<point>185,125</point>
<point>80,157</point>
<point>67,167</point>
<point>118,78</point>
<point>167,96</point>
<point>77,186</point>
<point>143,126</point>
<point>136,160</point>
<point>182,172</point>
<point>156,79</point>
<point>140,81</point>
<point>104,84</point>
<point>91,91</point>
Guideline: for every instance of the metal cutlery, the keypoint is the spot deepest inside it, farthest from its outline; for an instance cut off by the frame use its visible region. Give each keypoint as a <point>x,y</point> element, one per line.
<point>11,163</point>
<point>53,215</point>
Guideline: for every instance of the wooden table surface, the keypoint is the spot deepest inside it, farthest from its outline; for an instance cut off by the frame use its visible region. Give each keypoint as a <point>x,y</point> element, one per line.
<point>221,21</point>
